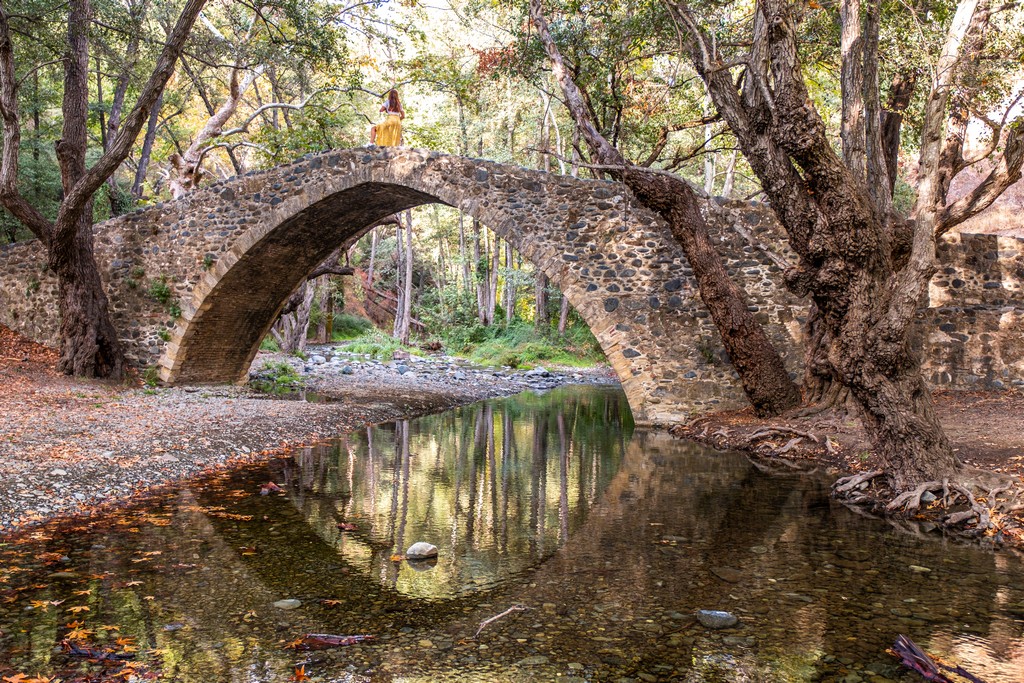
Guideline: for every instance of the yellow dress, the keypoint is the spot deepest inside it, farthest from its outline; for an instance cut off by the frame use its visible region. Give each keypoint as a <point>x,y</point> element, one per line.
<point>389,133</point>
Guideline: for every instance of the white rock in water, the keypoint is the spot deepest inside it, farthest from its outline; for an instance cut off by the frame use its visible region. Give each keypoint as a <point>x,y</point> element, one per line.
<point>418,551</point>
<point>288,604</point>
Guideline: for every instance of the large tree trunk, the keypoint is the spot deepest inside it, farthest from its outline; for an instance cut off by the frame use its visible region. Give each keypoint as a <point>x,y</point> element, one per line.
<point>89,343</point>
<point>866,298</point>
<point>759,366</point>
<point>292,328</point>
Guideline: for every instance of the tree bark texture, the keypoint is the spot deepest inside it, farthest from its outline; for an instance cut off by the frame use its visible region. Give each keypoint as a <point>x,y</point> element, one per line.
<point>759,366</point>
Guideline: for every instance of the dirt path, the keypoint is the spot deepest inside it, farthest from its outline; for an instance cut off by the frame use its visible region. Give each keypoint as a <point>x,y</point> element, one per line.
<point>70,446</point>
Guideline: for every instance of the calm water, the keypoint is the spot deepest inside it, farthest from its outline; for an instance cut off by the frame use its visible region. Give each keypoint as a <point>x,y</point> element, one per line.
<point>612,538</point>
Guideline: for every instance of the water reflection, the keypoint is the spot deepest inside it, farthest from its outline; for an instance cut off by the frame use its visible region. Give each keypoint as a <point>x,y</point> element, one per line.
<point>489,484</point>
<point>613,540</point>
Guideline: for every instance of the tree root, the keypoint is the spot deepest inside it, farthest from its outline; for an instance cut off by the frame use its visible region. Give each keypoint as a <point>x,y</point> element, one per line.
<point>849,483</point>
<point>778,430</point>
<point>971,505</point>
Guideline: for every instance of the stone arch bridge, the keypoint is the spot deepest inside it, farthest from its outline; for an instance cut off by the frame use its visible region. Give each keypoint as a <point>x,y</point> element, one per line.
<point>229,255</point>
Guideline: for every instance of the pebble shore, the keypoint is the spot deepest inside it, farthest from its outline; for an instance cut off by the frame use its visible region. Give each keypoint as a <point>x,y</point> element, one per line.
<point>71,446</point>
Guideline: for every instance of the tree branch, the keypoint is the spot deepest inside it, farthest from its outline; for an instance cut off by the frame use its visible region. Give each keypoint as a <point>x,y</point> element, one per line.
<point>9,194</point>
<point>1006,172</point>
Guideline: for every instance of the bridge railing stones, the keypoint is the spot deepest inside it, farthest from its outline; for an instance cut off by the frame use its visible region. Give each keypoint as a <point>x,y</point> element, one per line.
<point>232,252</point>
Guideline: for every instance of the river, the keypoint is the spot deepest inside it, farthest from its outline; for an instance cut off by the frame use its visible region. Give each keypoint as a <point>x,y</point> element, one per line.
<point>610,537</point>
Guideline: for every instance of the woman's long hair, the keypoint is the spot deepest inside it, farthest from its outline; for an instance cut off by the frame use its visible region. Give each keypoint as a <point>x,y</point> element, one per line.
<point>393,104</point>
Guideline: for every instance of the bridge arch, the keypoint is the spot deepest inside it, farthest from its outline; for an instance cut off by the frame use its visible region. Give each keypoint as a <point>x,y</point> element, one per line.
<point>615,261</point>
<point>195,284</point>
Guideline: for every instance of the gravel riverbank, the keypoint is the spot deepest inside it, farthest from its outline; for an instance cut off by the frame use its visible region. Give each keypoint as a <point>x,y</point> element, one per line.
<point>68,446</point>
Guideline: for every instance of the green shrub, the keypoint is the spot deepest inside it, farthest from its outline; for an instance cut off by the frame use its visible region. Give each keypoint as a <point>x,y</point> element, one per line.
<point>379,345</point>
<point>159,290</point>
<point>269,344</point>
<point>151,376</point>
<point>276,377</point>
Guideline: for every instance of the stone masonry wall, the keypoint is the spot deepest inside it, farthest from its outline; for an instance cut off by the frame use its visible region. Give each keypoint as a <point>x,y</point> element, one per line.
<point>195,284</point>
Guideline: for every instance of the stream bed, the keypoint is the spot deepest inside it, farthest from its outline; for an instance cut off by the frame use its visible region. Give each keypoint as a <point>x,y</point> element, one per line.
<point>609,538</point>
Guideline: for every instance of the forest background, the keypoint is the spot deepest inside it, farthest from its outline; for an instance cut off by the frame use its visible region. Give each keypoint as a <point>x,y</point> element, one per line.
<point>262,84</point>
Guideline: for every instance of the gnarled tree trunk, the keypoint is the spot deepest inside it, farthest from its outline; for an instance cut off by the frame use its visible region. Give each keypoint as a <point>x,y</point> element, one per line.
<point>847,241</point>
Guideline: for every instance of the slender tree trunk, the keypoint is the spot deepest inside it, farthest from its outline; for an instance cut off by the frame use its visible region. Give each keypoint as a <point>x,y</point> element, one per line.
<point>396,328</point>
<point>147,147</point>
<point>563,314</point>
<point>492,288</point>
<point>541,320</point>
<point>510,286</point>
<point>730,175</point>
<point>464,255</point>
<point>323,289</point>
<point>409,261</point>
<point>480,257</point>
<point>709,157</point>
<point>373,255</point>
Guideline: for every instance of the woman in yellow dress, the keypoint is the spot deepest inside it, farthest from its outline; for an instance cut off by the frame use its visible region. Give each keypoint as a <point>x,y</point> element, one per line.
<point>389,132</point>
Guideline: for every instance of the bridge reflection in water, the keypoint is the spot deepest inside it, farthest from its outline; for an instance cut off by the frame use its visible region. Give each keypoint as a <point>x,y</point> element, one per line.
<point>612,537</point>
<point>497,486</point>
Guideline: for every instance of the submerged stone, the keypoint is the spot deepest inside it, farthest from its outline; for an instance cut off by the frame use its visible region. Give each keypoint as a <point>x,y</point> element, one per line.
<point>288,604</point>
<point>716,619</point>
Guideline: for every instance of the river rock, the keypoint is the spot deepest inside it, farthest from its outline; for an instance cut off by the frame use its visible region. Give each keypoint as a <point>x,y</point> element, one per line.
<point>318,360</point>
<point>727,574</point>
<point>288,604</point>
<point>347,370</point>
<point>402,369</point>
<point>421,551</point>
<point>715,619</point>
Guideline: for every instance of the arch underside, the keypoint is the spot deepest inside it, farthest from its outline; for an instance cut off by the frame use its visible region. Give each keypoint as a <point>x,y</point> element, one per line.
<point>223,337</point>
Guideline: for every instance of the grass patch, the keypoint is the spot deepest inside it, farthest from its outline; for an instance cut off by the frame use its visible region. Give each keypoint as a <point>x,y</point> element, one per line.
<point>276,377</point>
<point>379,345</point>
<point>349,326</point>
<point>521,346</point>
<point>269,344</point>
